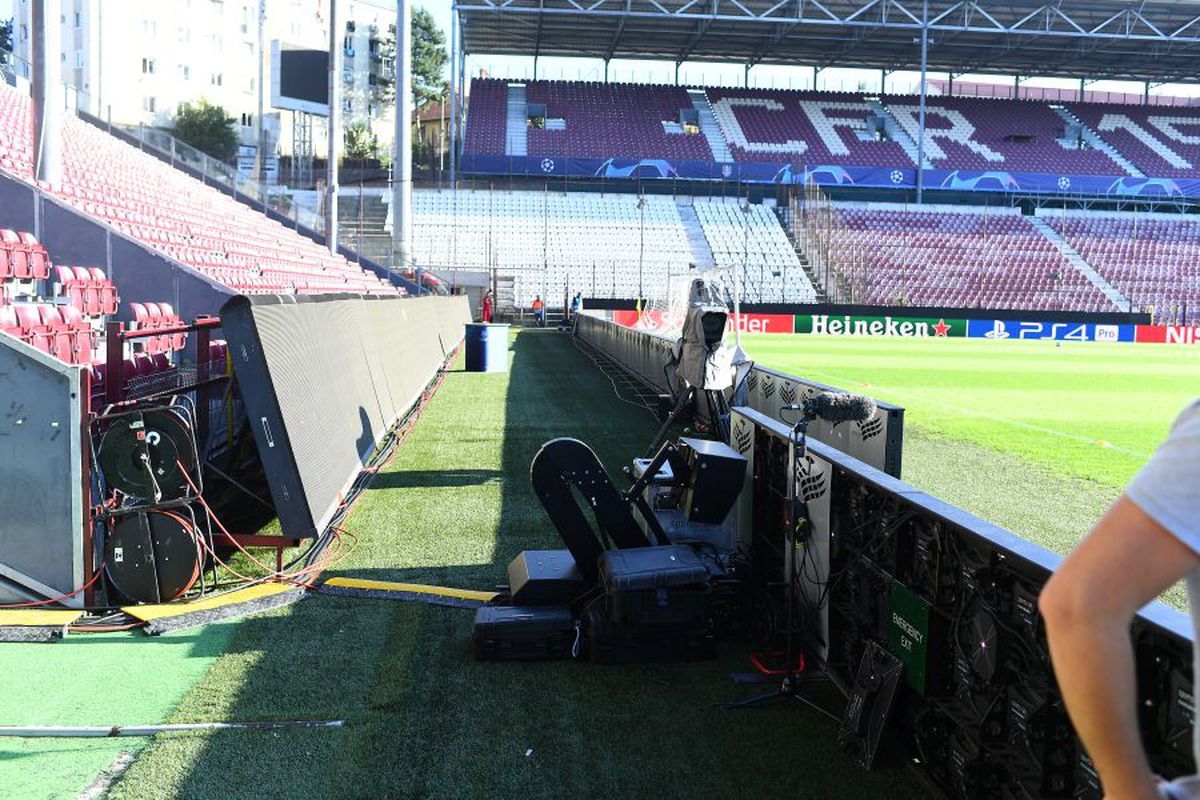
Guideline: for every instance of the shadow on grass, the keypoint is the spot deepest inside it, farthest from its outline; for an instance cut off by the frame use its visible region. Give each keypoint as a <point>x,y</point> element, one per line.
<point>424,719</point>
<point>434,478</point>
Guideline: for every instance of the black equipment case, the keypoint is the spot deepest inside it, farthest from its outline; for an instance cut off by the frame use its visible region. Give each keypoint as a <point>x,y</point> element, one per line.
<point>666,585</point>
<point>655,607</point>
<point>544,577</point>
<point>523,633</point>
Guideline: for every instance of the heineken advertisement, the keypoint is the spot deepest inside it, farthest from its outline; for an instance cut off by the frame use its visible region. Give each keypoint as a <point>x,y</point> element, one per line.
<point>899,327</point>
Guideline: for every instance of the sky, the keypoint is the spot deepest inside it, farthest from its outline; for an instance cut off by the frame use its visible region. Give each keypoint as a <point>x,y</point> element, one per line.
<point>696,73</point>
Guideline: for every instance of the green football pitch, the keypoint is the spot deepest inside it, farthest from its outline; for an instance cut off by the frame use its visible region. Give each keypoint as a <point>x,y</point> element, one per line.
<point>1036,436</point>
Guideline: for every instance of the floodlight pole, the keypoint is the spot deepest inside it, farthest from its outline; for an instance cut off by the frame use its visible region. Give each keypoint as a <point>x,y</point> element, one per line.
<point>737,282</point>
<point>921,121</point>
<point>454,80</point>
<point>402,202</point>
<point>641,247</point>
<point>335,108</point>
<point>259,130</point>
<point>48,100</point>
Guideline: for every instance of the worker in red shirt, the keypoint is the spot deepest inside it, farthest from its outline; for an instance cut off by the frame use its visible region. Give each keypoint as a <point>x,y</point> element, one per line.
<point>485,314</point>
<point>539,311</point>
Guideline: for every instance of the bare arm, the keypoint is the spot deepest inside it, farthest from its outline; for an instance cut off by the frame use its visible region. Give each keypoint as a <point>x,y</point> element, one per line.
<point>1124,563</point>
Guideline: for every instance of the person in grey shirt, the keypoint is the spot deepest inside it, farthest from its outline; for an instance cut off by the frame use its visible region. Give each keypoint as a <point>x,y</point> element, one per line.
<point>1148,540</point>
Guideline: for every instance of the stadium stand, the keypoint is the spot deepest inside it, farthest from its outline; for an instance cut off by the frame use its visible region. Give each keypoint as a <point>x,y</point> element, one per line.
<point>598,120</point>
<point>613,120</point>
<point>975,133</point>
<point>486,121</point>
<point>1162,142</point>
<point>553,243</point>
<point>64,316</point>
<point>175,214</point>
<point>753,237</point>
<point>948,256</point>
<point>1154,259</point>
<point>811,127</point>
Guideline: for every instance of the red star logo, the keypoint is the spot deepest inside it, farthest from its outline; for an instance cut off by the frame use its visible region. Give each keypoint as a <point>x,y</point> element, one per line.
<point>941,329</point>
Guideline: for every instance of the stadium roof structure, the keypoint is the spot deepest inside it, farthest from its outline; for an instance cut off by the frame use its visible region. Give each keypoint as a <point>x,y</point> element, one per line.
<point>1146,40</point>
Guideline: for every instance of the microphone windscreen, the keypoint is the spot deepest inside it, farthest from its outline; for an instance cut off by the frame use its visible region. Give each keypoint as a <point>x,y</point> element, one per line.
<point>837,408</point>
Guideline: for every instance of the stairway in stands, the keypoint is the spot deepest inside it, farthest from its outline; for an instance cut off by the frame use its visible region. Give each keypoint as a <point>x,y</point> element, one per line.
<point>516,126</point>
<point>702,255</point>
<point>785,220</point>
<point>362,225</point>
<point>1113,294</point>
<point>709,126</point>
<point>898,134</point>
<point>1093,139</point>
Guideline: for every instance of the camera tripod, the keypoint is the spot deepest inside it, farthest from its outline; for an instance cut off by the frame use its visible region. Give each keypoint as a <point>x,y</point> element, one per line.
<point>795,679</point>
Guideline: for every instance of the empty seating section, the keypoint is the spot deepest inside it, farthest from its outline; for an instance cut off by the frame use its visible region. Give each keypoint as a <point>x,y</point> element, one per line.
<point>59,330</point>
<point>485,123</point>
<point>21,257</point>
<point>1161,141</point>
<point>613,120</point>
<point>88,289</point>
<point>805,128</point>
<point>157,316</point>
<point>61,310</point>
<point>553,243</point>
<point>949,257</point>
<point>754,238</point>
<point>974,133</point>
<point>1153,259</point>
<point>813,128</point>
<point>165,209</point>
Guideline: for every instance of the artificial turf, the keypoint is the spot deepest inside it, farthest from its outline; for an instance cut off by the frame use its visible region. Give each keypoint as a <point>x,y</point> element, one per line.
<point>423,718</point>
<point>1036,436</point>
<point>1033,436</point>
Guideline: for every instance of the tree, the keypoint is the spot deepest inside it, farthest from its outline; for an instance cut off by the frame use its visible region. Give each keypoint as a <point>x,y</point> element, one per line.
<point>361,143</point>
<point>208,128</point>
<point>6,37</point>
<point>429,60</point>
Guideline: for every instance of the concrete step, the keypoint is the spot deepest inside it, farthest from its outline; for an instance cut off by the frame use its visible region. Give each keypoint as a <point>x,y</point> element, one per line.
<point>702,255</point>
<point>1114,295</point>
<point>709,126</point>
<point>1094,140</point>
<point>516,126</point>
<point>897,133</point>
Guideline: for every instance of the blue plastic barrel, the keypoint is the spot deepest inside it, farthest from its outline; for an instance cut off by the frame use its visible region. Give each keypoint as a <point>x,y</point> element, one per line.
<point>487,347</point>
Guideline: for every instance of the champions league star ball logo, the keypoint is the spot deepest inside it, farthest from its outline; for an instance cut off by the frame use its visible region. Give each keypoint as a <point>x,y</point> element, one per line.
<point>726,170</point>
<point>897,176</point>
<point>547,165</point>
<point>1064,183</point>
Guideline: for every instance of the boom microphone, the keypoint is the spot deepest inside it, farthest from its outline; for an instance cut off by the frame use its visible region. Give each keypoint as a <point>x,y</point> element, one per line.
<point>836,407</point>
<point>839,407</point>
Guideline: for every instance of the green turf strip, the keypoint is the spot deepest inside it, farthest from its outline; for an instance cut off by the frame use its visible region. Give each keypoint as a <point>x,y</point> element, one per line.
<point>425,720</point>
<point>98,679</point>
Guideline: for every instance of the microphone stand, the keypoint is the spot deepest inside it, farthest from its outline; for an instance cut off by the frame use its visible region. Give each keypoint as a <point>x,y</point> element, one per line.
<point>792,685</point>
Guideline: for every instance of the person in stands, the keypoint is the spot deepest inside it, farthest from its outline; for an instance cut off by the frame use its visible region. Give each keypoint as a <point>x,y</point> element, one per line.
<point>1148,540</point>
<point>539,311</point>
<point>485,312</point>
